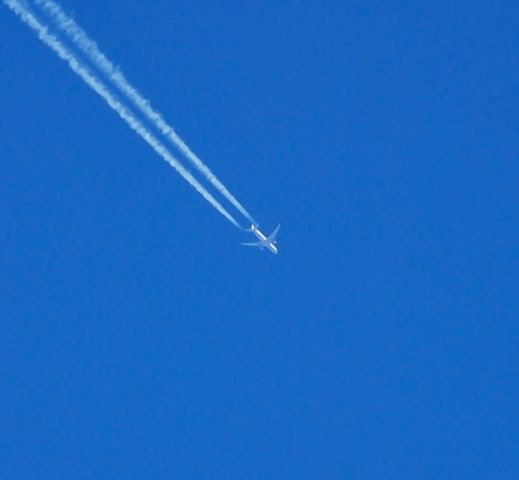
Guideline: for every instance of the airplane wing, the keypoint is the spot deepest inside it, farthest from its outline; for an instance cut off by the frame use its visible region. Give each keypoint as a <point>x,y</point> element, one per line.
<point>272,236</point>
<point>253,244</point>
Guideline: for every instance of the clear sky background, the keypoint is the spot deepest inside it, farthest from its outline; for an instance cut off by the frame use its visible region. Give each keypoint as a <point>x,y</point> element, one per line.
<point>140,340</point>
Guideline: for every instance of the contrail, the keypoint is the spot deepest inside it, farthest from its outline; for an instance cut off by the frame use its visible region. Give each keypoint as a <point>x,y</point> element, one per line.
<point>90,48</point>
<point>93,82</point>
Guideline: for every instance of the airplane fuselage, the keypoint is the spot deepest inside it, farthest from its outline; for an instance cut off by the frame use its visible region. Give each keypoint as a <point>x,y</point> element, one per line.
<point>264,240</point>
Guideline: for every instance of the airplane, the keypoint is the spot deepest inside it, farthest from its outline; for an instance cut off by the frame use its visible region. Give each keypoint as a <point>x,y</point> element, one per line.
<point>264,241</point>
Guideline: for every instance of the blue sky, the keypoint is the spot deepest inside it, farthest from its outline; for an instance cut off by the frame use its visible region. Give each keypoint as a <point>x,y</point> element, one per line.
<point>139,340</point>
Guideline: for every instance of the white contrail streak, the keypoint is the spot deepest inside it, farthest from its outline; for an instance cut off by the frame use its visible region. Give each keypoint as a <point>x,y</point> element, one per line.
<point>93,82</point>
<point>90,48</point>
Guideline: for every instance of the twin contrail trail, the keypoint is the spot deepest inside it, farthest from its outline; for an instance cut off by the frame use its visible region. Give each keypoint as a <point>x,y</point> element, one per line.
<point>93,82</point>
<point>91,50</point>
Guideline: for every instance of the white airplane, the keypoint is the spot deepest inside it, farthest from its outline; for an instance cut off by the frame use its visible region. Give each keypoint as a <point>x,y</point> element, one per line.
<point>264,241</point>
